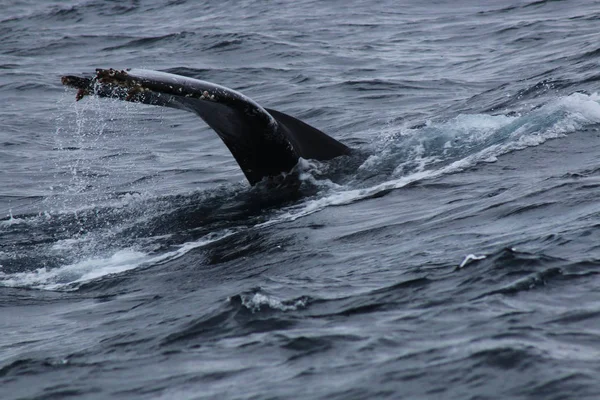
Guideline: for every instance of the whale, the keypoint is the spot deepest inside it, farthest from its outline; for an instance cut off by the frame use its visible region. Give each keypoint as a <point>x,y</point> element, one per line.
<point>264,142</point>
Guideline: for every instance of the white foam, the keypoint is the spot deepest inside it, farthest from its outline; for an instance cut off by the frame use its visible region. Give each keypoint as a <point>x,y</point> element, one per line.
<point>582,106</point>
<point>11,220</point>
<point>69,277</point>
<point>56,278</point>
<point>258,300</point>
<point>507,133</point>
<point>470,258</point>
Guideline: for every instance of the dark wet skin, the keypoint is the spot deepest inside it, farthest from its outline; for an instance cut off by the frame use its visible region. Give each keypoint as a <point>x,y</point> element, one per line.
<point>264,142</point>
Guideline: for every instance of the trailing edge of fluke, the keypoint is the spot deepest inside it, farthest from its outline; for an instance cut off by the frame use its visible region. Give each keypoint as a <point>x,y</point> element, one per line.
<point>263,141</point>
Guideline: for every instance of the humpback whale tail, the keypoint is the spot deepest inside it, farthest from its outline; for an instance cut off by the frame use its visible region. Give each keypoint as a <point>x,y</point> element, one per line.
<point>263,141</point>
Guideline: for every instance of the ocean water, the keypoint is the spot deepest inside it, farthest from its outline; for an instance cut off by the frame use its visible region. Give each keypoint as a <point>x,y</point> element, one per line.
<point>457,259</point>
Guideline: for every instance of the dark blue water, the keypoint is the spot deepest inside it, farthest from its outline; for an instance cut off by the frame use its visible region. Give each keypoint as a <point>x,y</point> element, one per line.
<point>458,260</point>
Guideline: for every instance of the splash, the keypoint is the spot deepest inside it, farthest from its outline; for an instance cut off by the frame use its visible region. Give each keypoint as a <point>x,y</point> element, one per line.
<point>70,277</point>
<point>258,301</point>
<point>437,149</point>
<point>408,156</point>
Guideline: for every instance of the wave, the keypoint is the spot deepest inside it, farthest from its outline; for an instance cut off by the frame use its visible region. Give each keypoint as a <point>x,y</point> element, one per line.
<point>72,276</point>
<point>78,245</point>
<point>437,149</point>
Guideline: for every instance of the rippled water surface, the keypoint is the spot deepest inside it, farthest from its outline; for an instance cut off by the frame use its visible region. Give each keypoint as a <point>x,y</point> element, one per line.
<point>456,258</point>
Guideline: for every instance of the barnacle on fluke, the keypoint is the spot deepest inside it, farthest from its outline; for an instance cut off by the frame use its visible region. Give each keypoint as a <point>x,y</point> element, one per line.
<point>264,142</point>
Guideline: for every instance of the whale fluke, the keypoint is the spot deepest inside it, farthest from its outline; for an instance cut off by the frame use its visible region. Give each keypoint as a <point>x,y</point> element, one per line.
<point>263,141</point>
